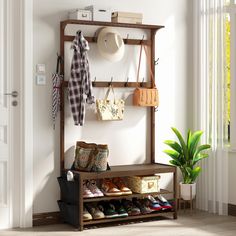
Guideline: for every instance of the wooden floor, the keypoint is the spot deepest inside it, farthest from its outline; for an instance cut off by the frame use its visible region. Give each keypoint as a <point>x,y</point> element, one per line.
<point>199,224</point>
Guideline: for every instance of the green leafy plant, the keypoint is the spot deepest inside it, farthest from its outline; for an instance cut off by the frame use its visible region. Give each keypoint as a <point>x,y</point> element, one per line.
<point>186,155</point>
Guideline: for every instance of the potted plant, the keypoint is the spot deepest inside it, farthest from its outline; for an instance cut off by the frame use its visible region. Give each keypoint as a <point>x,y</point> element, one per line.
<point>185,155</point>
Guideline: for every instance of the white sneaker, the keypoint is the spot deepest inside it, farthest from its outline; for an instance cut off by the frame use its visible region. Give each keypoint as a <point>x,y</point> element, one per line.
<point>92,186</point>
<point>86,192</point>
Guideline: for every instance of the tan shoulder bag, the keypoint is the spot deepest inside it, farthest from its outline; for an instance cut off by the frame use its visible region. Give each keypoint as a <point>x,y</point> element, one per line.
<point>146,97</point>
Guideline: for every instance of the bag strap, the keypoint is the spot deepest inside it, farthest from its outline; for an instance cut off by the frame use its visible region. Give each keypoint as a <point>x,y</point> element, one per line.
<point>110,88</point>
<point>148,62</point>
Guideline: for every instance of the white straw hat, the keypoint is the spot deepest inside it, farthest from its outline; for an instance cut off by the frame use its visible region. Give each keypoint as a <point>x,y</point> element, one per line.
<point>110,44</point>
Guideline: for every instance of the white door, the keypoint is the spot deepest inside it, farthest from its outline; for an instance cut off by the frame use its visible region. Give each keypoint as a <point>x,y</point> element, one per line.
<point>9,116</point>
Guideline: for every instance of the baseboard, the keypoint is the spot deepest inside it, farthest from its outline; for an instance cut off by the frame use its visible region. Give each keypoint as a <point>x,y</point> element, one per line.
<point>232,210</point>
<point>48,218</point>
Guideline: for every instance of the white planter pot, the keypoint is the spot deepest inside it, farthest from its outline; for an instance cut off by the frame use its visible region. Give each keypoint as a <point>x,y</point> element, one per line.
<point>185,191</point>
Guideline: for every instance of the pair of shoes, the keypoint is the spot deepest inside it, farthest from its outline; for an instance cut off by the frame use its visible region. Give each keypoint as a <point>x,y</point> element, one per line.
<point>158,203</point>
<point>151,202</point>
<point>115,187</point>
<point>86,215</point>
<point>108,209</point>
<point>90,189</point>
<point>163,202</point>
<point>130,207</point>
<point>119,208</point>
<point>112,209</point>
<point>93,211</point>
<point>142,205</point>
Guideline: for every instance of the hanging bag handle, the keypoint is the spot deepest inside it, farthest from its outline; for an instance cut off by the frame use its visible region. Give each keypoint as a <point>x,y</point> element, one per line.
<point>108,92</point>
<point>148,62</point>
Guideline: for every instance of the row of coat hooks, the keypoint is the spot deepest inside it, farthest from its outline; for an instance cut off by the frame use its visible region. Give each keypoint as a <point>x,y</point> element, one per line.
<point>126,40</point>
<point>120,83</point>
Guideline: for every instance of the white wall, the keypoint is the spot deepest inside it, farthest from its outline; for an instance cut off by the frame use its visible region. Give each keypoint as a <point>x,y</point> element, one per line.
<point>126,139</point>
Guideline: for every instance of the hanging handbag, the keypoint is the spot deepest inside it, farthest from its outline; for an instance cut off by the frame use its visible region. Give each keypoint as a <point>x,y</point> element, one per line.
<point>91,157</point>
<point>110,109</point>
<point>147,97</point>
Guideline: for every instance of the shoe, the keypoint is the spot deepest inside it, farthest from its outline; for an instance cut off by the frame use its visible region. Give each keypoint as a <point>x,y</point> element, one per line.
<point>163,202</point>
<point>152,203</point>
<point>94,211</point>
<point>108,209</point>
<point>92,186</point>
<point>86,215</point>
<point>130,208</point>
<point>109,189</point>
<point>86,192</point>
<point>119,182</point>
<point>142,205</point>
<point>119,208</point>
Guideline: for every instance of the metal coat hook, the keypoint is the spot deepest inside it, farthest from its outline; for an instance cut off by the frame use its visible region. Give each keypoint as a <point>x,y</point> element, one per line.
<point>111,81</point>
<point>95,78</point>
<point>126,83</point>
<point>59,57</point>
<point>141,84</point>
<point>156,61</point>
<point>142,39</point>
<point>127,38</point>
<point>94,39</point>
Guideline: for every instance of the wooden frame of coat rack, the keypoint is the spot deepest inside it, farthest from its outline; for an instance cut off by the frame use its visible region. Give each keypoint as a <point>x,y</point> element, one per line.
<point>116,171</point>
<point>149,42</point>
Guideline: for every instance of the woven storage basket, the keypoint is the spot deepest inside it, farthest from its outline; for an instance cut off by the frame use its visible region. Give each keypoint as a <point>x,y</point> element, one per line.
<point>144,184</point>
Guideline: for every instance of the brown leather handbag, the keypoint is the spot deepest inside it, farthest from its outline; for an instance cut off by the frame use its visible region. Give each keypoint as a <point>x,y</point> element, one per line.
<point>146,97</point>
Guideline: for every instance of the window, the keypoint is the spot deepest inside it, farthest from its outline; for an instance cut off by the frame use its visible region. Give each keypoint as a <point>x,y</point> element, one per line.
<point>227,75</point>
<point>230,72</point>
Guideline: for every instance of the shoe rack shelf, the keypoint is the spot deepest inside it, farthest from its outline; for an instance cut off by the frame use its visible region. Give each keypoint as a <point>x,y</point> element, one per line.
<point>129,218</point>
<point>137,195</point>
<point>125,170</point>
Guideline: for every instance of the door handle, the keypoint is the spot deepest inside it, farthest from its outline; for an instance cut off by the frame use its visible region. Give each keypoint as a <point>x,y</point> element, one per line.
<point>14,94</point>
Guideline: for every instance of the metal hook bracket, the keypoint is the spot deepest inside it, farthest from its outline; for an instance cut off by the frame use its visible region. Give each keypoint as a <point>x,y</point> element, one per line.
<point>111,81</point>
<point>142,83</point>
<point>156,62</point>
<point>126,83</point>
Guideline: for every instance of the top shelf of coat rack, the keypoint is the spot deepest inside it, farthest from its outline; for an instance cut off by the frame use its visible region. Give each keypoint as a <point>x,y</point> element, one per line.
<point>111,24</point>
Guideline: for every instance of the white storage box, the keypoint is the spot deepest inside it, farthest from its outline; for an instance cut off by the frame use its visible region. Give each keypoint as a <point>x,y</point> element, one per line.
<point>100,14</point>
<point>127,17</point>
<point>80,14</point>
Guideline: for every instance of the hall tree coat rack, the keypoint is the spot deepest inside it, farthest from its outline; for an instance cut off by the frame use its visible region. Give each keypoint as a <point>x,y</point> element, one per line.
<point>116,171</point>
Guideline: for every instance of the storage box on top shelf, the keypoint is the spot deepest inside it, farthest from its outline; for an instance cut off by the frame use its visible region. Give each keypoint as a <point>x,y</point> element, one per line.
<point>144,184</point>
<point>127,17</point>
<point>100,14</point>
<point>80,14</point>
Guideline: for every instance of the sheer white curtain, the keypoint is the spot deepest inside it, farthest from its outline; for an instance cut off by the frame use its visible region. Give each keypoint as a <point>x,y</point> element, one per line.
<point>210,104</point>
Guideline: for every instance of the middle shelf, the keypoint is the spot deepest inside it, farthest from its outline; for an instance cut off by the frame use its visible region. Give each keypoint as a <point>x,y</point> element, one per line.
<point>134,195</point>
